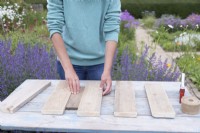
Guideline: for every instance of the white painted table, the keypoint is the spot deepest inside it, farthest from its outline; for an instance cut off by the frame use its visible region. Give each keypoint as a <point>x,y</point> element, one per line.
<point>30,118</point>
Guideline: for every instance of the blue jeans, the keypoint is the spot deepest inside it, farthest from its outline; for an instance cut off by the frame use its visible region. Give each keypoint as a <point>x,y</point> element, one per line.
<point>83,72</point>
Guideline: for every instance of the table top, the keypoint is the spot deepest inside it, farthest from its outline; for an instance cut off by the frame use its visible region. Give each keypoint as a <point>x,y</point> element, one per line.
<point>29,117</point>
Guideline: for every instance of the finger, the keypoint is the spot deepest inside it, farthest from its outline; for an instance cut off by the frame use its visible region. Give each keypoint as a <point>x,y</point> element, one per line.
<point>74,86</point>
<point>77,86</point>
<point>70,86</point>
<point>108,88</point>
<point>102,84</point>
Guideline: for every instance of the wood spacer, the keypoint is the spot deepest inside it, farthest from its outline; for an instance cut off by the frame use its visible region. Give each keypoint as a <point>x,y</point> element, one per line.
<point>190,105</point>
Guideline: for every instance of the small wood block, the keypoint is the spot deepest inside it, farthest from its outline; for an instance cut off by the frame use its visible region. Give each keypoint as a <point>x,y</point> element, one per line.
<point>125,105</point>
<point>159,102</point>
<point>56,103</point>
<point>190,105</point>
<point>90,104</point>
<point>74,100</point>
<point>26,91</point>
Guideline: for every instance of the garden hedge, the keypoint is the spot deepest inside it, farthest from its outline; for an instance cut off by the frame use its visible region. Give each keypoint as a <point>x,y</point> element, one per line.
<point>36,1</point>
<point>180,8</point>
<point>44,2</point>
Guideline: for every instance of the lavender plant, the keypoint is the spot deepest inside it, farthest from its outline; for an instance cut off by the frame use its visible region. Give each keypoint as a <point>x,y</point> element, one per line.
<point>144,68</point>
<point>191,22</point>
<point>26,62</point>
<point>128,24</point>
<point>129,20</point>
<point>127,32</point>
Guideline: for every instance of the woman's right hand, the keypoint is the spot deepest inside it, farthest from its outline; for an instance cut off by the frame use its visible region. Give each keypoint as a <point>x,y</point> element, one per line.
<point>70,74</point>
<point>72,80</point>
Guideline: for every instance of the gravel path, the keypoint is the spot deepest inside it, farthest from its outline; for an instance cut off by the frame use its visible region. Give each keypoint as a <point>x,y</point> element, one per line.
<point>143,38</point>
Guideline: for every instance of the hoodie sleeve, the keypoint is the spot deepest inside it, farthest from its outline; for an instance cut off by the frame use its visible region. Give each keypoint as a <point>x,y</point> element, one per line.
<point>55,16</point>
<point>112,21</point>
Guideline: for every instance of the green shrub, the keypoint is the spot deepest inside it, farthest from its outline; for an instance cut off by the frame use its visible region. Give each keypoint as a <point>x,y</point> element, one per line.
<point>197,46</point>
<point>190,64</point>
<point>43,2</point>
<point>180,8</point>
<point>126,39</point>
<point>34,18</point>
<point>148,21</point>
<point>167,40</point>
<point>37,35</point>
<point>36,1</point>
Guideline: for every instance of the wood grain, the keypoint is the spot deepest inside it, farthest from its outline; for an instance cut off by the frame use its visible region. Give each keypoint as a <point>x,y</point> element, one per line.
<point>57,101</point>
<point>27,91</point>
<point>125,104</point>
<point>90,104</point>
<point>74,100</point>
<point>159,102</point>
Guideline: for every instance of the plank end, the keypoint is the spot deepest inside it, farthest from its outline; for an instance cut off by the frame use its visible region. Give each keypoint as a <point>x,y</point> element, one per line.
<point>125,114</point>
<point>169,115</point>
<point>3,110</point>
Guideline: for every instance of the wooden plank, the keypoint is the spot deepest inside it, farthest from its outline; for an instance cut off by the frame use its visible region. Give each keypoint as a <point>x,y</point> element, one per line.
<point>28,90</point>
<point>74,100</point>
<point>57,101</point>
<point>125,103</point>
<point>159,102</point>
<point>90,104</point>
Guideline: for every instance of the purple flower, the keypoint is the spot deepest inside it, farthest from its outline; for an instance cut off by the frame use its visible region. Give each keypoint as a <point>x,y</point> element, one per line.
<point>190,22</point>
<point>26,62</point>
<point>128,20</point>
<point>144,68</point>
<point>126,65</point>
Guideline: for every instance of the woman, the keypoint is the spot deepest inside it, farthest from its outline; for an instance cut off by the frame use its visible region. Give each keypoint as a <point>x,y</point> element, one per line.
<point>85,35</point>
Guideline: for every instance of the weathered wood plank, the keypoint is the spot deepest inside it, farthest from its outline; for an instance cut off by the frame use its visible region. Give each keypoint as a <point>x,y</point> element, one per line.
<point>124,100</point>
<point>159,102</point>
<point>29,89</point>
<point>57,101</point>
<point>74,100</point>
<point>90,104</point>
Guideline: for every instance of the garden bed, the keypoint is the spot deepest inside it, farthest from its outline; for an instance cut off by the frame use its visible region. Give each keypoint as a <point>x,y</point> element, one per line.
<point>178,41</point>
<point>190,64</point>
<point>178,36</point>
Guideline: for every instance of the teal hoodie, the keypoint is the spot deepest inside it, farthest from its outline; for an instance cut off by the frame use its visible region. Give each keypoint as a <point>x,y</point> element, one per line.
<point>85,26</point>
